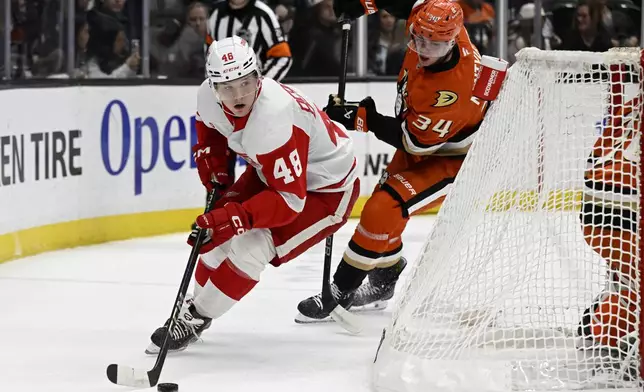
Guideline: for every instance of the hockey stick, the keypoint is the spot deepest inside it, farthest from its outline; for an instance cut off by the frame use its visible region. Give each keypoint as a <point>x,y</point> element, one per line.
<point>140,378</point>
<point>346,319</point>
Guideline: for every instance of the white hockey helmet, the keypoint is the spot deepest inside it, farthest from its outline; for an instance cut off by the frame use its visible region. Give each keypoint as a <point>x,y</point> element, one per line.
<point>229,59</point>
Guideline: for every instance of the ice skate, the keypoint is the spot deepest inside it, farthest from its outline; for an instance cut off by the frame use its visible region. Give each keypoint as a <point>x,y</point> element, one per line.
<point>187,329</point>
<point>379,289</point>
<point>311,309</point>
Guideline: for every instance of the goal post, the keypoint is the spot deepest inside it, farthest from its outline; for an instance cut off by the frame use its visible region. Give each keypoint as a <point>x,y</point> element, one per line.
<point>531,277</point>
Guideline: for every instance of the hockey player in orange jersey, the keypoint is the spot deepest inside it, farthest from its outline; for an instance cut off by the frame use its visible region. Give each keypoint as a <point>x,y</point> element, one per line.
<point>609,222</point>
<point>436,119</point>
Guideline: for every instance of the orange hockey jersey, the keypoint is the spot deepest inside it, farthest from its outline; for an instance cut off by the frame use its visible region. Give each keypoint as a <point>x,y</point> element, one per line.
<point>439,115</point>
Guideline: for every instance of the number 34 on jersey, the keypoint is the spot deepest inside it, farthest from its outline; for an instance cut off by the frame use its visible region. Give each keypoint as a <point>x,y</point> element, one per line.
<point>441,126</point>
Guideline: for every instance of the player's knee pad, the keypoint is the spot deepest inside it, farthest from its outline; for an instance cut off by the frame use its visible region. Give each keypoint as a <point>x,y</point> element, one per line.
<point>213,258</point>
<point>382,213</point>
<point>252,251</point>
<point>221,287</point>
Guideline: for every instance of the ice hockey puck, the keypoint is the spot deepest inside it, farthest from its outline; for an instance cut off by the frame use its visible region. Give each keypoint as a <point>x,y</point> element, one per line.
<point>168,387</point>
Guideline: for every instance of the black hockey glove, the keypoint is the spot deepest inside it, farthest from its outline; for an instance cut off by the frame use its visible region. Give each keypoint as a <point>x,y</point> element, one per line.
<point>353,115</point>
<point>350,9</point>
<point>353,9</point>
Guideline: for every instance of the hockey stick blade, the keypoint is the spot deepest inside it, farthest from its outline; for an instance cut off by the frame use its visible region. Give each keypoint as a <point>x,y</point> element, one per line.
<point>347,320</point>
<point>130,377</point>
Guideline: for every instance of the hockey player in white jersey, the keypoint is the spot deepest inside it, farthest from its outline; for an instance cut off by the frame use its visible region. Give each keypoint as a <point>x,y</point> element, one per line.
<point>299,187</point>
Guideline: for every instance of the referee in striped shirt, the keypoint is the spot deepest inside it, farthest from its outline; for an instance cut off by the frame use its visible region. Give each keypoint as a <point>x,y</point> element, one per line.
<point>256,23</point>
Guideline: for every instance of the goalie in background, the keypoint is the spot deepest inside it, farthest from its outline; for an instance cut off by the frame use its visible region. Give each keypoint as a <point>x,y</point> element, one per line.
<point>609,222</point>
<point>436,120</point>
<point>299,187</point>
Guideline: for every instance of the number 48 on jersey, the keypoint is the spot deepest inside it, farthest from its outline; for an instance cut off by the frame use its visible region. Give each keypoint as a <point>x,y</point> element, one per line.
<point>286,170</point>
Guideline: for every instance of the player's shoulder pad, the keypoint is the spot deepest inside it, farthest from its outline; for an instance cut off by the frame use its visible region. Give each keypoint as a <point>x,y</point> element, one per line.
<point>208,107</point>
<point>273,116</point>
<point>470,60</point>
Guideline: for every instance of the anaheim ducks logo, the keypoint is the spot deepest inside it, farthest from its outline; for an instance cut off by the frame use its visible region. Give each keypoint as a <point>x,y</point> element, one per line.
<point>445,98</point>
<point>401,97</point>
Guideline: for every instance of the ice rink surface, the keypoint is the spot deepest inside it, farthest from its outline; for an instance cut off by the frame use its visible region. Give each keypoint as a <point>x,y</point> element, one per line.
<point>66,315</point>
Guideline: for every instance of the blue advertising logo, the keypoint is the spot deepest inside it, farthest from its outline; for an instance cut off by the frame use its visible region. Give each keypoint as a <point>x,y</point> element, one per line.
<point>131,134</point>
<point>132,131</point>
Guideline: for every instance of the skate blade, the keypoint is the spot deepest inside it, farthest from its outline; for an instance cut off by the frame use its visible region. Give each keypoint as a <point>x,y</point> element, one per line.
<point>153,349</point>
<point>372,307</point>
<point>302,319</point>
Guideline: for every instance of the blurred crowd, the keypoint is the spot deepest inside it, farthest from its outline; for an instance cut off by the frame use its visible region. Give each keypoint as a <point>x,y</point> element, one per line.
<point>107,34</point>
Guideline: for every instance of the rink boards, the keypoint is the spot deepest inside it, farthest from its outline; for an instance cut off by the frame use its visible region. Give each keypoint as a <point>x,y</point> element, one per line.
<point>83,165</point>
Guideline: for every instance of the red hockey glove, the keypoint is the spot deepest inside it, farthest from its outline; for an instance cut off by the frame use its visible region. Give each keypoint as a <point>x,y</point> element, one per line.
<point>211,167</point>
<point>226,222</point>
<point>206,244</point>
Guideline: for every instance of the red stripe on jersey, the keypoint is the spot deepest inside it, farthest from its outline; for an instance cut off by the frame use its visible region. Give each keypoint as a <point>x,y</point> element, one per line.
<point>202,273</point>
<point>238,123</point>
<point>231,281</point>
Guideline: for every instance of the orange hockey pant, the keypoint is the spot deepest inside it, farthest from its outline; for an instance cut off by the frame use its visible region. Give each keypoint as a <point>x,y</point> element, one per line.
<point>408,187</point>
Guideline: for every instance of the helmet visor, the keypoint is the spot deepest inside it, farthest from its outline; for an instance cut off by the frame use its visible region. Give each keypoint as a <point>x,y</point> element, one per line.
<point>238,89</point>
<point>428,48</point>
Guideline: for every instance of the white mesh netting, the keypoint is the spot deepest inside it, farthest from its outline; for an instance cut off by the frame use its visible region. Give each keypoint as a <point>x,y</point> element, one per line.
<point>536,243</point>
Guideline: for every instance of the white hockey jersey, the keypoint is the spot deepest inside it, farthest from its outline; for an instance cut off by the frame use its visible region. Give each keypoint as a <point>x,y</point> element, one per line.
<point>294,147</point>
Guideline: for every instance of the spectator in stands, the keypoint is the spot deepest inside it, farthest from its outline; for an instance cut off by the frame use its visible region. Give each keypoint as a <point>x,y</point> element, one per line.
<point>479,22</point>
<point>81,28</point>
<point>183,56</point>
<point>521,32</point>
<point>256,23</point>
<point>285,14</point>
<point>619,25</point>
<point>35,39</point>
<point>111,7</point>
<point>2,43</point>
<point>108,52</point>
<point>316,41</point>
<point>108,9</point>
<point>387,44</point>
<point>587,33</point>
<point>82,6</point>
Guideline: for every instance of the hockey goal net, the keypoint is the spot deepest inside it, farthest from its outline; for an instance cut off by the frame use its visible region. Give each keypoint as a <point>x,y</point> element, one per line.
<point>530,279</point>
